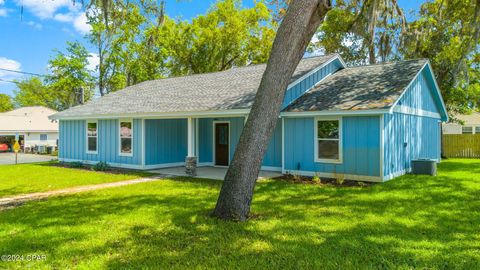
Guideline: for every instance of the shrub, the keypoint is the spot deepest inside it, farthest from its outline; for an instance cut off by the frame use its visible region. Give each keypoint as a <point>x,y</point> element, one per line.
<point>75,165</point>
<point>316,179</point>
<point>54,153</point>
<point>101,166</point>
<point>361,184</point>
<point>339,178</point>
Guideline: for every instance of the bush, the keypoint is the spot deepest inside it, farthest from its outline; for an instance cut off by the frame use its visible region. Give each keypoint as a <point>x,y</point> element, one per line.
<point>339,178</point>
<point>75,165</point>
<point>361,184</point>
<point>101,166</point>
<point>316,179</point>
<point>54,153</point>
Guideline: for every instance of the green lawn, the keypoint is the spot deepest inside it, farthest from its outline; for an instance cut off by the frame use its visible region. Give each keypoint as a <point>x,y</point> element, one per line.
<point>27,178</point>
<point>414,222</point>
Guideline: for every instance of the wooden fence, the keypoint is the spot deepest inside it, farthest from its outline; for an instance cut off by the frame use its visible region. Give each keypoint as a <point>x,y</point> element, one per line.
<point>461,145</point>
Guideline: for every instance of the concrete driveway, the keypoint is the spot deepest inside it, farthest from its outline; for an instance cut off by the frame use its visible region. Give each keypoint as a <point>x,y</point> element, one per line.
<point>9,158</point>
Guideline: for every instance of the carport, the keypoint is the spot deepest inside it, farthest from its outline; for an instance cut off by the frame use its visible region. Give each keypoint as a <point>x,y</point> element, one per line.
<point>9,139</point>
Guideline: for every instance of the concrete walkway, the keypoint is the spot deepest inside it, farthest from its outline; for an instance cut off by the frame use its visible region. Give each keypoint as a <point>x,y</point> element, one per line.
<point>216,173</point>
<point>13,201</point>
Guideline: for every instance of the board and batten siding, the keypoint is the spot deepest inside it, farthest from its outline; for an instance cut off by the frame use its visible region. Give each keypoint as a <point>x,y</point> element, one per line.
<point>420,94</point>
<point>361,148</point>
<point>165,141</point>
<point>416,134</point>
<point>306,84</point>
<point>409,137</point>
<point>72,142</point>
<point>273,156</point>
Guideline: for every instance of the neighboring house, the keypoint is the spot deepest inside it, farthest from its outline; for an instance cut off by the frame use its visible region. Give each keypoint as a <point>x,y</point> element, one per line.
<point>32,126</point>
<point>471,125</point>
<point>366,122</point>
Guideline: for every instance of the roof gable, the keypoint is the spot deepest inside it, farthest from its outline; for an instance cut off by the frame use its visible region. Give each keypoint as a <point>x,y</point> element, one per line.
<point>372,87</point>
<point>423,95</point>
<point>28,119</point>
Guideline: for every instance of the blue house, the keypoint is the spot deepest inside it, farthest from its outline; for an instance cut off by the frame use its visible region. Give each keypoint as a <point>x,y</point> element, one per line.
<point>367,123</point>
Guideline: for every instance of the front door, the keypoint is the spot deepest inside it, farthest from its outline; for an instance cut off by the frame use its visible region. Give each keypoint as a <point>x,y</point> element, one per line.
<point>221,144</point>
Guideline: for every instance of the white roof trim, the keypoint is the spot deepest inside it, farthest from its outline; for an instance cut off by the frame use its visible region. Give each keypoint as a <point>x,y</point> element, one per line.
<point>153,115</point>
<point>437,89</point>
<point>337,56</point>
<point>336,112</point>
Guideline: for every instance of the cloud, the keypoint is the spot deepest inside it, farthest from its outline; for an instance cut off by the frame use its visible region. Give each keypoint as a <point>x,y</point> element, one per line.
<point>3,11</point>
<point>35,25</point>
<point>93,61</point>
<point>11,65</point>
<point>66,11</point>
<point>45,9</point>
<point>78,20</point>
<point>81,25</point>
<point>63,17</point>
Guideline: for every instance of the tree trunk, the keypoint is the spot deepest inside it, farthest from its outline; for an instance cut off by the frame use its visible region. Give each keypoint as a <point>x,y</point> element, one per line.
<point>300,23</point>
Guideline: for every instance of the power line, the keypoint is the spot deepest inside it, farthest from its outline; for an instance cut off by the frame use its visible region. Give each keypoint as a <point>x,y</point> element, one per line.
<point>2,80</point>
<point>22,72</point>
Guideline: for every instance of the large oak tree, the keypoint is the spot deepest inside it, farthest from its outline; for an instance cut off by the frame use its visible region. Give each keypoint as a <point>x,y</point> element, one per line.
<point>301,21</point>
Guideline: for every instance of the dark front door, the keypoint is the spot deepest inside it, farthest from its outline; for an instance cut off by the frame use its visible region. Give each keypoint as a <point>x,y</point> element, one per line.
<point>221,144</point>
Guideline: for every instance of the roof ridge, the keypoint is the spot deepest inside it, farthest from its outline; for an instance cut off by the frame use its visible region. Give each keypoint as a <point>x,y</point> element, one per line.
<point>238,67</point>
<point>389,63</point>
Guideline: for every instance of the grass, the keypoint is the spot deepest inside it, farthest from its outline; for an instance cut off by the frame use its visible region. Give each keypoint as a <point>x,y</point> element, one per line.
<point>413,222</point>
<point>28,178</point>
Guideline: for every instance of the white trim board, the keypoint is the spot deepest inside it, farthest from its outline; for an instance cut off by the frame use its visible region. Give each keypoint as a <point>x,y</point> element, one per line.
<point>160,115</point>
<point>418,112</point>
<point>382,145</point>
<point>87,151</point>
<point>120,121</point>
<point>437,89</point>
<point>271,168</point>
<point>335,112</point>
<point>316,139</point>
<point>353,177</point>
<point>126,166</point>
<point>316,83</point>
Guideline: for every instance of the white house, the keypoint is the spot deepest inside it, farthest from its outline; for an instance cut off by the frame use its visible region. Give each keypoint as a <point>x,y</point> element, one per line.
<point>471,125</point>
<point>32,126</point>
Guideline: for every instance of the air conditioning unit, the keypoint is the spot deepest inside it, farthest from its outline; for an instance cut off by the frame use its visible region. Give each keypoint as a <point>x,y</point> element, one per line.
<point>424,166</point>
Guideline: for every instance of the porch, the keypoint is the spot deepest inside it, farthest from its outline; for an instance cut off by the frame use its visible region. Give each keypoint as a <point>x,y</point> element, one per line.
<point>217,173</point>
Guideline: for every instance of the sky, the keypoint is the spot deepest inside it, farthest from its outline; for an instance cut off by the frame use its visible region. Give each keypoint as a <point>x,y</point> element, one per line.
<point>28,41</point>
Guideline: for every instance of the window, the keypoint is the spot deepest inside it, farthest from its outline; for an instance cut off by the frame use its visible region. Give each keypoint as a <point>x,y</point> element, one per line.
<point>477,130</point>
<point>92,137</point>
<point>328,140</point>
<point>126,136</point>
<point>43,137</point>
<point>467,130</point>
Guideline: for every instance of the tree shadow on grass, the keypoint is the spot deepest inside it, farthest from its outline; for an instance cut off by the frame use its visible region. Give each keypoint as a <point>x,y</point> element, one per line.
<point>420,223</point>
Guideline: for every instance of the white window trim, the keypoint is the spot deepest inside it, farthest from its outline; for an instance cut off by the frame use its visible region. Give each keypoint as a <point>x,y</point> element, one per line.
<point>340,139</point>
<point>120,138</point>
<point>472,127</point>
<point>86,136</point>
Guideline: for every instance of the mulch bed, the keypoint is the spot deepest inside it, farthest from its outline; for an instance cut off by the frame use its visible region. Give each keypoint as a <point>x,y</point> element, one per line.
<point>297,179</point>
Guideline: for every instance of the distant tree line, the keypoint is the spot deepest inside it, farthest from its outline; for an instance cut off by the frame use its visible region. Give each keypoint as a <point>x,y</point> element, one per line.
<point>137,41</point>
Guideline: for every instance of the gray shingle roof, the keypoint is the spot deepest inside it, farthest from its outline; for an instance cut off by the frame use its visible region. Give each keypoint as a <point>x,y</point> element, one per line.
<point>360,88</point>
<point>226,90</point>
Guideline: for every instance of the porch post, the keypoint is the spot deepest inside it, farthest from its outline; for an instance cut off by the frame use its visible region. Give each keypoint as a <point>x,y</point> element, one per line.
<point>191,159</point>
